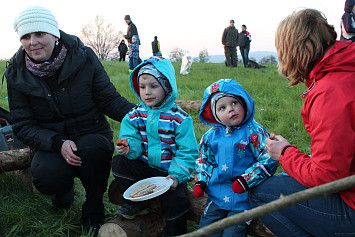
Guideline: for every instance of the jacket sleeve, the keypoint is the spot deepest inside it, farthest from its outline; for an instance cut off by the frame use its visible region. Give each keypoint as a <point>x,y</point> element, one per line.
<point>25,127</point>
<point>107,98</point>
<point>224,35</point>
<point>183,162</point>
<point>129,131</point>
<point>348,21</point>
<point>333,140</point>
<point>206,161</point>
<point>265,166</point>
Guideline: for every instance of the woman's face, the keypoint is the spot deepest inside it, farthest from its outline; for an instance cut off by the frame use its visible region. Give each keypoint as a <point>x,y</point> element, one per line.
<point>39,45</point>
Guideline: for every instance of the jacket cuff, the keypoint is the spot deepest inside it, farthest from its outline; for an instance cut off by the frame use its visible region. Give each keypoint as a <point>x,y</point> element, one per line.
<point>285,148</point>
<point>58,141</point>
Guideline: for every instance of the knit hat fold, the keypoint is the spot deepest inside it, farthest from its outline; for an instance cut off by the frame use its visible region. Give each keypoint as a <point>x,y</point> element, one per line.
<point>36,19</point>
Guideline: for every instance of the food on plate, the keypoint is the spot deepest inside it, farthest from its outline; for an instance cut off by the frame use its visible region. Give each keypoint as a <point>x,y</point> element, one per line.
<point>143,189</point>
<point>122,142</point>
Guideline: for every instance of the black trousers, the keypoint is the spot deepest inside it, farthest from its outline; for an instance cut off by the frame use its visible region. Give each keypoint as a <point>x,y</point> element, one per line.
<point>175,204</point>
<point>231,56</point>
<point>52,174</point>
<point>122,57</point>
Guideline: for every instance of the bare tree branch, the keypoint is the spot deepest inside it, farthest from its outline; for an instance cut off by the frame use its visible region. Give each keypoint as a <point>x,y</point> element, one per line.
<point>282,202</point>
<point>102,37</point>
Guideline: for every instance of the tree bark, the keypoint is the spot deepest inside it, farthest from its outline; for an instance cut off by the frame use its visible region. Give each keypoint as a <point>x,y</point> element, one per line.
<point>189,105</point>
<point>14,160</point>
<point>151,225</point>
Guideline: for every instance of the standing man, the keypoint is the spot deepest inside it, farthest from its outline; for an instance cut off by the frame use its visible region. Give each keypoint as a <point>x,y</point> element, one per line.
<point>230,41</point>
<point>131,30</point>
<point>244,45</point>
<point>122,49</point>
<point>156,47</point>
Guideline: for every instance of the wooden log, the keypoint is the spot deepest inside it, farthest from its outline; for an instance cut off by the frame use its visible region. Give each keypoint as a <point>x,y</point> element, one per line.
<point>151,225</point>
<point>14,160</point>
<point>189,105</point>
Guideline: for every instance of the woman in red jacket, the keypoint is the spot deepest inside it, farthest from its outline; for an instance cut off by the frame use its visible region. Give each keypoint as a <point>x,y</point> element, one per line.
<point>308,52</point>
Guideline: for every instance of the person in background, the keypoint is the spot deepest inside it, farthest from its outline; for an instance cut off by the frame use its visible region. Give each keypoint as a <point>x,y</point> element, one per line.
<point>244,45</point>
<point>156,47</point>
<point>122,49</point>
<point>231,154</point>
<point>133,53</point>
<point>328,70</point>
<point>230,41</point>
<point>161,142</point>
<point>131,30</point>
<point>347,23</point>
<point>59,94</point>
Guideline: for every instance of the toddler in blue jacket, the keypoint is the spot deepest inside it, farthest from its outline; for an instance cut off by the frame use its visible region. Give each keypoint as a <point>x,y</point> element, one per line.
<point>231,154</point>
<point>161,142</point>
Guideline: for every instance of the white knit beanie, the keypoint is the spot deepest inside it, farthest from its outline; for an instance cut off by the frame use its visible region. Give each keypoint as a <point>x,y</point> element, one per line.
<point>36,19</point>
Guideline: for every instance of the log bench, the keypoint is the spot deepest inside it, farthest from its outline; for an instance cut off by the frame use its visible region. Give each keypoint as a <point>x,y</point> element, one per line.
<point>151,225</point>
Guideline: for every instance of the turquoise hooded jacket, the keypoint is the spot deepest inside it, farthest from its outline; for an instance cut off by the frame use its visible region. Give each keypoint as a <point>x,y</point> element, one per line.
<point>163,137</point>
<point>225,153</point>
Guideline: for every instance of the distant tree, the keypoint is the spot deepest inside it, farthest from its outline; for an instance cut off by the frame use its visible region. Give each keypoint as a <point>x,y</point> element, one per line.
<point>268,60</point>
<point>203,56</point>
<point>101,36</point>
<point>176,54</point>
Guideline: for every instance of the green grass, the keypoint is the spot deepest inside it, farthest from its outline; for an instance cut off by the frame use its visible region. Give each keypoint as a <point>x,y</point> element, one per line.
<point>278,108</point>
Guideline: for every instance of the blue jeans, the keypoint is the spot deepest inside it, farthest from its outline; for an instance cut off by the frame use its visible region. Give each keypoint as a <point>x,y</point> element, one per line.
<point>132,63</point>
<point>213,213</point>
<point>157,54</point>
<point>323,216</point>
<point>245,55</point>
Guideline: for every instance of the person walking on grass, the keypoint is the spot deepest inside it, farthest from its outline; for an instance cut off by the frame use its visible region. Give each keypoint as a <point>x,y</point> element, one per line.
<point>156,47</point>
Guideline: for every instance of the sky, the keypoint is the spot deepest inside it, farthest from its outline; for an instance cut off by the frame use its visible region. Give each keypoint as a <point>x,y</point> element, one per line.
<point>191,25</point>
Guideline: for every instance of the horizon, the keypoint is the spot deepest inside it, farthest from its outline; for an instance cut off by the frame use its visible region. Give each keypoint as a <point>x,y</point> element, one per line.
<point>189,25</point>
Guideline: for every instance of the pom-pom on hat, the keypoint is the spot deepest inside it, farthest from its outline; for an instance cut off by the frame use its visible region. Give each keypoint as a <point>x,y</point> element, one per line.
<point>36,19</point>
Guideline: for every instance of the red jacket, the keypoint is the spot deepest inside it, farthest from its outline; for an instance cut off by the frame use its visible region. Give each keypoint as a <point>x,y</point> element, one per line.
<point>329,117</point>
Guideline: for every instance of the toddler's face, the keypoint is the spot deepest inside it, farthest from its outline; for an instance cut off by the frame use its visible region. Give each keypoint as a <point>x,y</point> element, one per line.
<point>151,92</point>
<point>229,111</point>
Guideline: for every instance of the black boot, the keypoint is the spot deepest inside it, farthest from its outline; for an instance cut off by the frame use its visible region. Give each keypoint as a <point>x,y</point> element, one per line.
<point>62,201</point>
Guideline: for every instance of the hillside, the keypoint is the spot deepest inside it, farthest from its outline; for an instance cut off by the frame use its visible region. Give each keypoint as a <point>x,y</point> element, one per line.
<point>257,55</point>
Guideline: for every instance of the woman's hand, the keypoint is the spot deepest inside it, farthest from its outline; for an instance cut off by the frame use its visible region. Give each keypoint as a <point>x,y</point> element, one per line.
<point>274,146</point>
<point>176,182</point>
<point>67,151</point>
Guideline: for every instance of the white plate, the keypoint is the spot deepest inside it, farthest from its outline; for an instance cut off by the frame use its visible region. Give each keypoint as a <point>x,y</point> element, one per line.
<point>158,181</point>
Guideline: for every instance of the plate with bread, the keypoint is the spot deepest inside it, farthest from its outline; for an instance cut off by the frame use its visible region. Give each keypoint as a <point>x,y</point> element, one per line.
<point>147,188</point>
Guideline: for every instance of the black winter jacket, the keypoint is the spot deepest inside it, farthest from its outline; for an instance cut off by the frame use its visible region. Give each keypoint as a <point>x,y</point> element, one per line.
<point>230,37</point>
<point>131,30</point>
<point>84,95</point>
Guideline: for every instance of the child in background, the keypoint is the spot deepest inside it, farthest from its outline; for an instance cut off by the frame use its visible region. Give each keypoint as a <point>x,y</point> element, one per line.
<point>232,155</point>
<point>133,53</point>
<point>161,142</point>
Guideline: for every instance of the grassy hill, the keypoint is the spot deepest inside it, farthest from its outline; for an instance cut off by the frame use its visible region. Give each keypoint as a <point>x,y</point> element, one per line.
<point>278,108</point>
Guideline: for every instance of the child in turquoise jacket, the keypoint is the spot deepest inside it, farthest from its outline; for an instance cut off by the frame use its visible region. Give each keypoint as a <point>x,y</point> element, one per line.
<point>161,143</point>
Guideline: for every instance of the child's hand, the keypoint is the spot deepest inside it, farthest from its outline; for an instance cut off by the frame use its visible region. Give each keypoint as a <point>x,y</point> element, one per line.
<point>176,182</point>
<point>122,146</point>
<point>239,184</point>
<point>199,188</point>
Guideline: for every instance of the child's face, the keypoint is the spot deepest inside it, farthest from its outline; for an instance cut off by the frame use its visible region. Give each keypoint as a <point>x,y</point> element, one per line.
<point>133,40</point>
<point>229,111</point>
<point>151,92</point>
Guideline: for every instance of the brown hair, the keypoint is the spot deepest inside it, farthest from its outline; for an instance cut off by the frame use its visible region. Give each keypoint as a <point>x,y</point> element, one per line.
<point>301,40</point>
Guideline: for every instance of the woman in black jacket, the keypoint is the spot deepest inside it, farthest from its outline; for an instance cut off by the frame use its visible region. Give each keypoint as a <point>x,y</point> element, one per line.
<point>59,94</point>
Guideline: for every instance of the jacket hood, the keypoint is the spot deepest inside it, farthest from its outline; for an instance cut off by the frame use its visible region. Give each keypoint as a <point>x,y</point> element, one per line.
<point>339,57</point>
<point>165,67</point>
<point>349,4</point>
<point>229,86</point>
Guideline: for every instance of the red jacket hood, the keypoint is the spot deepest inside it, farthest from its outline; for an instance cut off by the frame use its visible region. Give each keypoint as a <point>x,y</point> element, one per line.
<point>336,58</point>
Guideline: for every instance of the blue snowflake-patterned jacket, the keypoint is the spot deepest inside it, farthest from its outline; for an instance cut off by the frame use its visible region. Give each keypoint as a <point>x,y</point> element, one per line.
<point>224,154</point>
